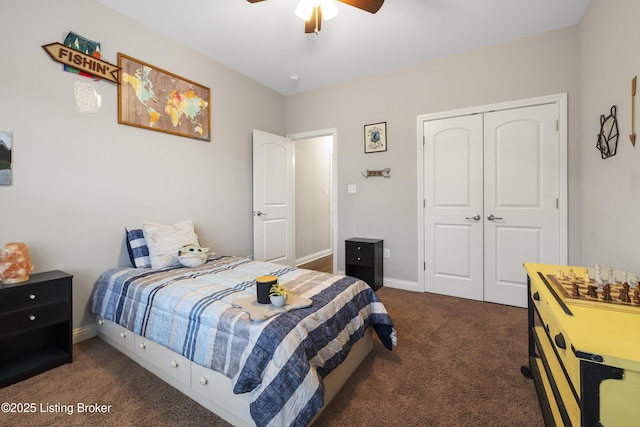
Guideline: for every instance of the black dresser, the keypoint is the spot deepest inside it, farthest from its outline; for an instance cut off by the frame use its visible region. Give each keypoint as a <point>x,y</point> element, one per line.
<point>35,326</point>
<point>364,260</point>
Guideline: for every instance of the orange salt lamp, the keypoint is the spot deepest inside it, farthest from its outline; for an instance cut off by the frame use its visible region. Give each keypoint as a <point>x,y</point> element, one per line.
<point>15,263</point>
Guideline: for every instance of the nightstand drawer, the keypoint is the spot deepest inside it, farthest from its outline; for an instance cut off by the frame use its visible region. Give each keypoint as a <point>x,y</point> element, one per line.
<point>31,295</point>
<point>360,258</point>
<point>34,317</point>
<point>360,253</point>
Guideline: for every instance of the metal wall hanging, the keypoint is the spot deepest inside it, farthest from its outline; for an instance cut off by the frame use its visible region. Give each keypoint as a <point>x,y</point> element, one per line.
<point>608,136</point>
<point>382,172</point>
<point>632,137</point>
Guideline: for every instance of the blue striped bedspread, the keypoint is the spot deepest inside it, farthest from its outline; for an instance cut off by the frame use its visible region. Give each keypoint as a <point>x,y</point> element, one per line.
<point>280,361</point>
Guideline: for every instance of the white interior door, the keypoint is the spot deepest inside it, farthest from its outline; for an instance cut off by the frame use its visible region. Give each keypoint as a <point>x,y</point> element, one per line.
<point>453,206</point>
<point>273,198</point>
<point>520,198</point>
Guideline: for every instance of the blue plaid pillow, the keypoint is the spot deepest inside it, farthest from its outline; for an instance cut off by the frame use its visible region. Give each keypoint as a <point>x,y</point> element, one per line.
<point>137,247</point>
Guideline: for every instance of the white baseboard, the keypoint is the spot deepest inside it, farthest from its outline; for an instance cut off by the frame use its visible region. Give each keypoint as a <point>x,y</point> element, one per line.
<point>313,257</point>
<point>400,284</point>
<point>84,333</point>
<point>396,283</point>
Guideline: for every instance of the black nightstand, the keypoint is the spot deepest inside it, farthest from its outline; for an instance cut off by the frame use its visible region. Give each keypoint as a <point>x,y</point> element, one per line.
<point>364,260</point>
<point>35,326</point>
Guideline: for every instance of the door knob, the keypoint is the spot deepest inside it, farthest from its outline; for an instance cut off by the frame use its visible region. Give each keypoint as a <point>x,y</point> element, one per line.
<point>260,213</point>
<point>491,217</point>
<point>475,217</point>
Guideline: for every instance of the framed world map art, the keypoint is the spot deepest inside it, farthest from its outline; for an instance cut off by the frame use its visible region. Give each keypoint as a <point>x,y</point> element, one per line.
<point>154,99</point>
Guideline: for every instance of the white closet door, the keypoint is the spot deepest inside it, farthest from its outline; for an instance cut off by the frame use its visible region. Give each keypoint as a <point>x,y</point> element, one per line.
<point>453,206</point>
<point>491,190</point>
<point>521,192</point>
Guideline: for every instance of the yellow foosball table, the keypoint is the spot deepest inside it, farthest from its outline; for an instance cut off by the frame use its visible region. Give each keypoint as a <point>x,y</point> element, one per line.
<point>584,346</point>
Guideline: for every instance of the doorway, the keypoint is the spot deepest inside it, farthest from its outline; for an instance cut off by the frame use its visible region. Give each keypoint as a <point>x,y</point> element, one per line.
<point>278,162</point>
<point>315,199</point>
<point>493,190</point>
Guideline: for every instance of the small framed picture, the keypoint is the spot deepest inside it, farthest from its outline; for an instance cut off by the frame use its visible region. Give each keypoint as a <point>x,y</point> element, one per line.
<point>375,137</point>
<point>6,145</point>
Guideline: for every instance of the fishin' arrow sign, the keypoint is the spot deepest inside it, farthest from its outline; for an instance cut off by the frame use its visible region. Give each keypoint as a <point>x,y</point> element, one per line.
<point>76,59</point>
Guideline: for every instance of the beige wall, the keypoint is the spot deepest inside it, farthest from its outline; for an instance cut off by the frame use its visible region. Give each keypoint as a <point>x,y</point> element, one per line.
<point>609,58</point>
<point>79,178</point>
<point>387,208</point>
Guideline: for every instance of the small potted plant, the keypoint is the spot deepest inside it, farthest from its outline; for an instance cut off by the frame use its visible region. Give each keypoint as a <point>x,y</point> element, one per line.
<point>278,295</point>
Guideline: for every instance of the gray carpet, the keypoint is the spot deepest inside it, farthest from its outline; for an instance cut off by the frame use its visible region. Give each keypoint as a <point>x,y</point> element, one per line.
<point>457,364</point>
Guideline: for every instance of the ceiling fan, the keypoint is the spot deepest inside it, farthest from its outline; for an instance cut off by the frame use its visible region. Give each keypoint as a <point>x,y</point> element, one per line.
<point>311,10</point>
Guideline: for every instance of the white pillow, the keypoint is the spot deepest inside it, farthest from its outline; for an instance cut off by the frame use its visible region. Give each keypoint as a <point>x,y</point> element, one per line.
<point>165,240</point>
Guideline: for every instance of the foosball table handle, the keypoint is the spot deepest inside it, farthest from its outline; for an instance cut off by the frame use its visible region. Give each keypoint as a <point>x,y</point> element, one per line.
<point>559,339</point>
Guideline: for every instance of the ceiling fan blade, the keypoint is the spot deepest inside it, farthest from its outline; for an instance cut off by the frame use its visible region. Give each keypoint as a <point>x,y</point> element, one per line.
<point>314,25</point>
<point>371,6</point>
<point>254,1</point>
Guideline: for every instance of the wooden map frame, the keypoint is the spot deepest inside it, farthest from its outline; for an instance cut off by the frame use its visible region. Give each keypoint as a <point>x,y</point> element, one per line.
<point>166,88</point>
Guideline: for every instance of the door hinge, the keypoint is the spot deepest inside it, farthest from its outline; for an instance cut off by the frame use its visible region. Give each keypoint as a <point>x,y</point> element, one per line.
<point>557,203</point>
<point>424,140</point>
<point>424,265</point>
<point>557,125</point>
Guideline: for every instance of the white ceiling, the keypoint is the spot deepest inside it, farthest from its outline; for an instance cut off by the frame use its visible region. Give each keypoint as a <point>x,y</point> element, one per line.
<point>266,41</point>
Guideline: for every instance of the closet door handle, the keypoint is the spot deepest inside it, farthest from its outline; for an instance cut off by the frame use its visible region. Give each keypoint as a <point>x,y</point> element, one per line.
<point>475,217</point>
<point>491,217</point>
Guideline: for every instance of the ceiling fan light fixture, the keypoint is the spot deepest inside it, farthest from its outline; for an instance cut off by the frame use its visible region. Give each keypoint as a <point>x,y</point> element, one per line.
<point>304,10</point>
<point>329,8</point>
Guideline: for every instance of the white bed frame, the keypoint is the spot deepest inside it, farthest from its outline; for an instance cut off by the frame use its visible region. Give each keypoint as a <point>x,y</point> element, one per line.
<point>210,388</point>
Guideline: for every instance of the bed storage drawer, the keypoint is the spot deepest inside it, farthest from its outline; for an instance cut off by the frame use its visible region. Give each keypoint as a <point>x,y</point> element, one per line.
<point>213,386</point>
<point>117,334</point>
<point>172,364</point>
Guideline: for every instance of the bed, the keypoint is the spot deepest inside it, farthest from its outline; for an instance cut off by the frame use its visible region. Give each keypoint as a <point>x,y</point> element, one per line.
<point>183,324</point>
